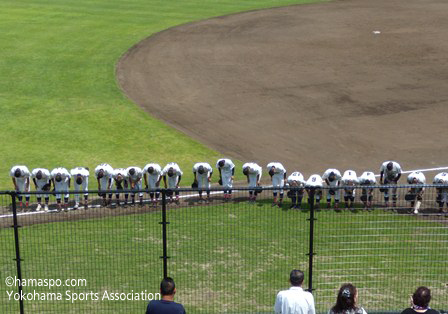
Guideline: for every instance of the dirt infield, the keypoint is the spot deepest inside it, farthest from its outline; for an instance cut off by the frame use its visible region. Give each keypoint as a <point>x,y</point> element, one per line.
<point>313,86</point>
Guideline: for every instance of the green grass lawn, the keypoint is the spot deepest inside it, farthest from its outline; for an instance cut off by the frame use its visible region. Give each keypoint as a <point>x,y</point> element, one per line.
<point>232,258</point>
<point>59,101</point>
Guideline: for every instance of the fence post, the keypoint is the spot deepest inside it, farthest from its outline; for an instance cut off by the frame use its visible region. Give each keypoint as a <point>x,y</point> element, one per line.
<point>16,240</point>
<point>164,235</point>
<point>311,243</point>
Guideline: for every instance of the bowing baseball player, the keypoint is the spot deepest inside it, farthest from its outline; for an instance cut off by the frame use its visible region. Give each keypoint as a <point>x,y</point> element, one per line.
<point>415,194</point>
<point>60,178</point>
<point>80,177</point>
<point>135,176</point>
<point>253,173</point>
<point>313,187</point>
<point>172,175</point>
<point>152,174</point>
<point>42,183</point>
<point>442,192</point>
<point>296,184</point>
<point>120,177</point>
<point>103,174</point>
<point>349,181</point>
<point>203,172</point>
<point>390,173</point>
<point>226,170</point>
<point>367,179</point>
<point>278,178</point>
<point>21,179</point>
<point>332,178</point>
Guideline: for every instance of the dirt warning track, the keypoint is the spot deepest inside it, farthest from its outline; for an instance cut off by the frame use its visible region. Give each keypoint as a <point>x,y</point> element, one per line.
<point>344,84</point>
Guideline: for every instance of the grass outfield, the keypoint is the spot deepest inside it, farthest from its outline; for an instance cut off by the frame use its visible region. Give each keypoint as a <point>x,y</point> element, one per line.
<point>59,101</point>
<point>232,258</point>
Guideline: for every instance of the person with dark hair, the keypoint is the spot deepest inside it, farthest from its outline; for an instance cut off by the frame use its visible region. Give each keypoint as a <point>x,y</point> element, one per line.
<point>172,175</point>
<point>346,301</point>
<point>226,170</point>
<point>390,171</point>
<point>152,174</point>
<point>367,179</point>
<point>278,178</point>
<point>21,178</point>
<point>103,174</point>
<point>203,172</point>
<point>81,182</point>
<point>135,176</point>
<point>442,192</point>
<point>120,177</point>
<point>296,184</point>
<point>60,178</point>
<point>295,300</point>
<point>332,178</point>
<point>167,304</point>
<point>253,173</point>
<point>420,302</point>
<point>41,179</point>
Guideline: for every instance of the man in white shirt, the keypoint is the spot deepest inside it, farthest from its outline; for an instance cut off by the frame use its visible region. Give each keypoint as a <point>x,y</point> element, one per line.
<point>296,184</point>
<point>61,181</point>
<point>120,177</point>
<point>135,176</point>
<point>202,172</point>
<point>332,178</point>
<point>172,175</point>
<point>367,179</point>
<point>81,183</point>
<point>253,173</point>
<point>416,178</point>
<point>442,193</point>
<point>314,184</point>
<point>41,179</point>
<point>103,174</point>
<point>295,300</point>
<point>278,178</point>
<point>152,174</point>
<point>226,170</point>
<point>21,179</point>
<point>349,180</point>
<point>391,173</point>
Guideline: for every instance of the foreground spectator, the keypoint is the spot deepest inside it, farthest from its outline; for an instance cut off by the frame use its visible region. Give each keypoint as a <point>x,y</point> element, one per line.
<point>167,304</point>
<point>295,300</point>
<point>346,301</point>
<point>420,302</point>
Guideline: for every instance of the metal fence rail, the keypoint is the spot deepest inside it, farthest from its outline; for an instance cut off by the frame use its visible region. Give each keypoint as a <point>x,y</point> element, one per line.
<point>225,255</point>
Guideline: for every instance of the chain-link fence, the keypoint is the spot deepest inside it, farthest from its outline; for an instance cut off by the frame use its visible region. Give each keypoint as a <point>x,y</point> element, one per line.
<point>226,254</point>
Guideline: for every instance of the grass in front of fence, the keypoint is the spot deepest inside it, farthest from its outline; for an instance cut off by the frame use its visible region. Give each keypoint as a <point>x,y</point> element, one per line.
<point>59,99</point>
<point>233,257</point>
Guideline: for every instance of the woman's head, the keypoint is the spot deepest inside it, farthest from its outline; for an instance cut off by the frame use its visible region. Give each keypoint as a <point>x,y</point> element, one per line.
<point>346,299</point>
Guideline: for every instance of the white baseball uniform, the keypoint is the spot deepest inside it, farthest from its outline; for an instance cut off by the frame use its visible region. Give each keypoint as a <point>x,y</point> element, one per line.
<point>333,184</point>
<point>442,178</point>
<point>44,180</point>
<point>254,171</point>
<point>226,172</point>
<point>123,173</point>
<point>421,179</point>
<point>154,177</point>
<point>173,180</point>
<point>62,186</point>
<point>136,178</point>
<point>106,181</point>
<point>367,178</point>
<point>278,179</point>
<point>314,181</point>
<point>203,178</point>
<point>84,186</point>
<point>296,177</point>
<point>390,175</point>
<point>23,182</point>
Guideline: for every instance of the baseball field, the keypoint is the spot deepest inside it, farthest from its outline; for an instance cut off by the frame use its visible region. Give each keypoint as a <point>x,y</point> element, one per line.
<point>344,84</point>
